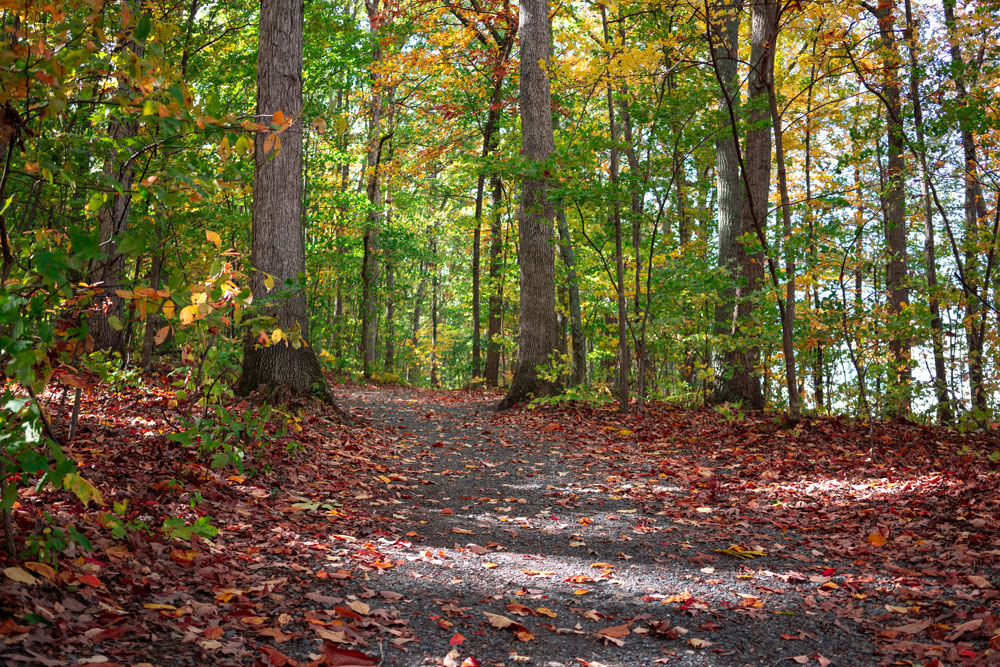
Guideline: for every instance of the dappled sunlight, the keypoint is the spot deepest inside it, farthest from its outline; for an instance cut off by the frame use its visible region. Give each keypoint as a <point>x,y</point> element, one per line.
<point>864,489</point>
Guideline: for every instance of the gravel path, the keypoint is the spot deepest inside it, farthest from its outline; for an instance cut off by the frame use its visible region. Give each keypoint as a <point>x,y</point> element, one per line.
<point>497,514</point>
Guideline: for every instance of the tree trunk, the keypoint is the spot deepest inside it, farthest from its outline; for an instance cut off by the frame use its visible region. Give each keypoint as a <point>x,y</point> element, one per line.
<point>975,212</point>
<point>371,245</point>
<point>537,320</point>
<point>579,344</point>
<point>744,385</point>
<point>624,363</point>
<point>894,228</point>
<point>944,411</point>
<point>788,312</point>
<point>277,247</point>
<point>113,217</point>
<point>496,295</point>
<point>731,255</point>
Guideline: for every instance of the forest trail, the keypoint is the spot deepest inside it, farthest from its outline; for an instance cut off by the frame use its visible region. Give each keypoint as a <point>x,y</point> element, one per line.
<point>437,532</point>
<point>516,515</point>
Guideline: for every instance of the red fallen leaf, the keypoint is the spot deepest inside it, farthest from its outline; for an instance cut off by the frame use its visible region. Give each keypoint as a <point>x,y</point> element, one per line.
<point>579,579</point>
<point>471,662</point>
<point>9,627</point>
<point>520,609</point>
<point>346,657</point>
<point>89,579</point>
<point>274,657</point>
<point>347,613</point>
<point>829,572</point>
<point>968,626</point>
<point>111,633</point>
<point>456,639</point>
<point>212,632</point>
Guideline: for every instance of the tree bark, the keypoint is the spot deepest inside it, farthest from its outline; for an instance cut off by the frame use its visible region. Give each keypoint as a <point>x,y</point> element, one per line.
<point>496,295</point>
<point>277,246</point>
<point>731,255</point>
<point>371,245</point>
<point>113,217</point>
<point>537,319</point>
<point>944,411</point>
<point>894,226</point>
<point>975,212</point>
<point>624,363</point>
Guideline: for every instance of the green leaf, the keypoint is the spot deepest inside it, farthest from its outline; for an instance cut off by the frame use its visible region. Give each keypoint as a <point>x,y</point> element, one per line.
<point>114,322</point>
<point>142,28</point>
<point>83,489</point>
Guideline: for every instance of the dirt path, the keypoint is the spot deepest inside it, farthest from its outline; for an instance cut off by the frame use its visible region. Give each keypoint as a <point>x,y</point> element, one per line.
<point>500,514</point>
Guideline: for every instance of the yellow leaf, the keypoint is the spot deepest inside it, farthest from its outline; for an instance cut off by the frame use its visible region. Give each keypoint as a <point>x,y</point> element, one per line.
<point>20,575</point>
<point>42,569</point>
<point>545,611</point>
<point>277,335</point>
<point>269,282</point>
<point>168,309</point>
<point>188,314</point>
<point>385,479</point>
<point>156,606</point>
<point>877,540</point>
<point>214,238</point>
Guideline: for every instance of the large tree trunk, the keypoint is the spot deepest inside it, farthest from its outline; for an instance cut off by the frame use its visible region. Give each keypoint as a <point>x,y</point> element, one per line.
<point>371,245</point>
<point>496,295</point>
<point>277,247</point>
<point>113,217</point>
<point>894,227</point>
<point>729,186</point>
<point>537,321</point>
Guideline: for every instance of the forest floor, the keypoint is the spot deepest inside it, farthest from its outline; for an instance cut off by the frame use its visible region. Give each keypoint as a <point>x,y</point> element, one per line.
<point>435,531</point>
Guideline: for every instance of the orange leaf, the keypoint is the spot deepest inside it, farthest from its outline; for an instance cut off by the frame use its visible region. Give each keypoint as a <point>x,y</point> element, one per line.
<point>456,640</point>
<point>877,540</point>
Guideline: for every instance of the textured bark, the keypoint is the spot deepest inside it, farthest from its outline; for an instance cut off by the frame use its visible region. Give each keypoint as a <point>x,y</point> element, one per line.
<point>537,321</point>
<point>944,410</point>
<point>373,191</point>
<point>390,309</point>
<point>496,294</point>
<point>894,226</point>
<point>729,186</point>
<point>277,247</point>
<point>113,217</point>
<point>975,213</point>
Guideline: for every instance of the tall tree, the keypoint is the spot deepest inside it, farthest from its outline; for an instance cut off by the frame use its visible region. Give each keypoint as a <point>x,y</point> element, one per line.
<point>278,246</point>
<point>734,379</point>
<point>536,339</point>
<point>894,207</point>
<point>113,217</point>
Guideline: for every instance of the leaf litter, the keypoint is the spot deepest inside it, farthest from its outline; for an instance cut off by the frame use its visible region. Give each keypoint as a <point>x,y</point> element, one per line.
<point>412,537</point>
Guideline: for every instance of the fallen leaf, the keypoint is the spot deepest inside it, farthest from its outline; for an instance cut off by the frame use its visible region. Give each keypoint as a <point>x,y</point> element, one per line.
<point>20,575</point>
<point>877,539</point>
